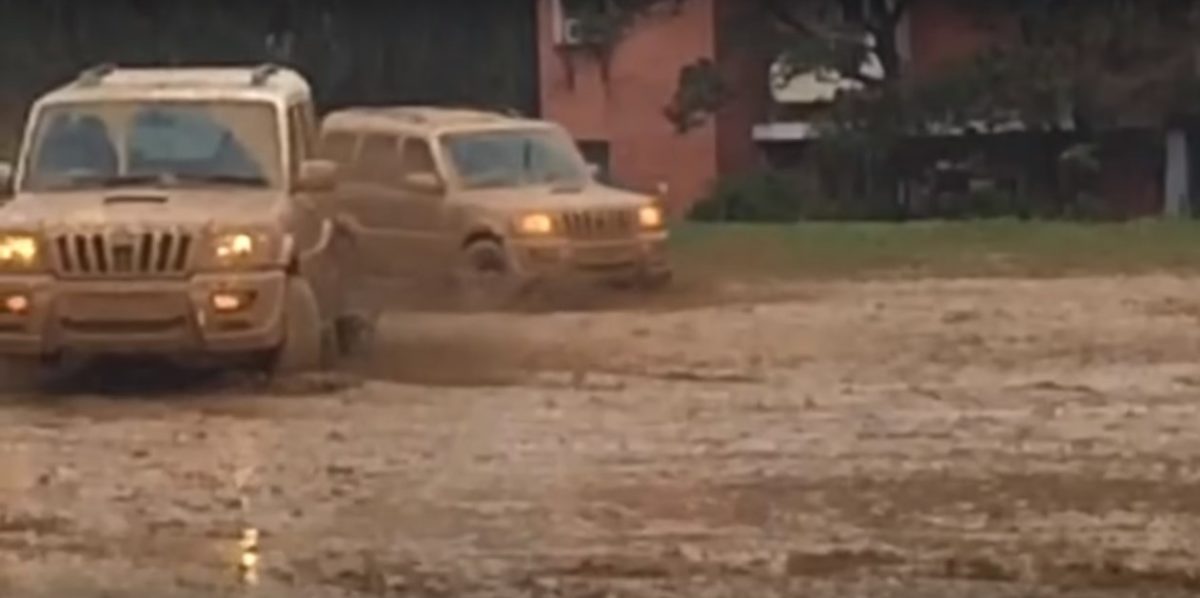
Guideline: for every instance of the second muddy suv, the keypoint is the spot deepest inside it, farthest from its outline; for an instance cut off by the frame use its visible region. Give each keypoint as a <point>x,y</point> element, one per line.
<point>172,211</point>
<point>498,201</point>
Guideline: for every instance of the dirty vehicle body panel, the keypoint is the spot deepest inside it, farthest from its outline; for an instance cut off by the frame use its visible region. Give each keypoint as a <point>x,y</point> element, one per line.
<point>165,212</point>
<point>418,189</point>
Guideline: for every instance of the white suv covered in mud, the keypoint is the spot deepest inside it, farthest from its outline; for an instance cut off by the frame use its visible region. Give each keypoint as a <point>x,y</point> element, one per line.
<point>176,212</point>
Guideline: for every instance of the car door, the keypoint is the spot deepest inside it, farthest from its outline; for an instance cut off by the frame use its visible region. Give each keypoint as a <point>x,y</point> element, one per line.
<point>314,215</point>
<point>421,193</point>
<point>393,218</point>
<point>341,147</point>
<point>364,197</point>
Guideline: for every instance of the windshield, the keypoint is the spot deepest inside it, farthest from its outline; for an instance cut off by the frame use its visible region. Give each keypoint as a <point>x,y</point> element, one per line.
<point>110,143</point>
<point>514,158</point>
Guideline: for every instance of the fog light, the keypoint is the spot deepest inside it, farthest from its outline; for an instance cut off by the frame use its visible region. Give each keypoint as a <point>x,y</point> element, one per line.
<point>16,304</point>
<point>227,302</point>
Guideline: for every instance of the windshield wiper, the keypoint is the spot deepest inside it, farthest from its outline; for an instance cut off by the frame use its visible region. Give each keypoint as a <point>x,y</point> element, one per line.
<point>125,180</point>
<point>220,179</point>
<point>100,180</point>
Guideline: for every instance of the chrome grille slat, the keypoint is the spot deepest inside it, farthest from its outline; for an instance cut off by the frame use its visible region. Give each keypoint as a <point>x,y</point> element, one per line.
<point>599,224</point>
<point>99,254</point>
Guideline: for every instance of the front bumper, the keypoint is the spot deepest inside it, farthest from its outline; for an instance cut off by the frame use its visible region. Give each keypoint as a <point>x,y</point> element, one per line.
<point>617,260</point>
<point>169,317</point>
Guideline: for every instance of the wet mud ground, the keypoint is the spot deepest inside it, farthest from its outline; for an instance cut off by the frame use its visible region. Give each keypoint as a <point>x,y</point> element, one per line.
<point>901,438</point>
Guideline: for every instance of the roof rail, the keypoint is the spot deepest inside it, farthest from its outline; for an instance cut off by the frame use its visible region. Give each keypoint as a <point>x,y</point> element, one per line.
<point>263,72</point>
<point>406,112</point>
<point>482,109</point>
<point>95,74</point>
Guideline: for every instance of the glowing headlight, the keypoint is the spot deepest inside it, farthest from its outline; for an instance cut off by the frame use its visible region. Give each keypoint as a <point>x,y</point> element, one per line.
<point>650,217</point>
<point>234,246</point>
<point>536,224</point>
<point>19,250</point>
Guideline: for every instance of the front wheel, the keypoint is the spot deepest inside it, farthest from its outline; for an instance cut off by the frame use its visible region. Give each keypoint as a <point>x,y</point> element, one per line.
<point>655,281</point>
<point>305,343</point>
<point>485,277</point>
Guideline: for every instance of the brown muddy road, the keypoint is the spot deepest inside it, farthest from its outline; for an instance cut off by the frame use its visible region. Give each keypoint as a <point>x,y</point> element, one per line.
<point>892,439</point>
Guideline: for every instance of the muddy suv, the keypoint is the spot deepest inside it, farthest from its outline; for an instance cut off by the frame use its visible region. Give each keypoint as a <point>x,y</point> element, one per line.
<point>172,212</point>
<point>494,201</point>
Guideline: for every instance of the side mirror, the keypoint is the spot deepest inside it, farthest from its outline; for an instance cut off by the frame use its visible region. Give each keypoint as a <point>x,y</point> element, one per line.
<point>424,182</point>
<point>6,179</point>
<point>317,175</point>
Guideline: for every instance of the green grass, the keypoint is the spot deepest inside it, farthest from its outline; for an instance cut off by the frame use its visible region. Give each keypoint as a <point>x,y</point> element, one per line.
<point>938,249</point>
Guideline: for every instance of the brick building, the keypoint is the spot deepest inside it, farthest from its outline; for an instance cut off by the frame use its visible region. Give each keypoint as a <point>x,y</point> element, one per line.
<point>616,109</point>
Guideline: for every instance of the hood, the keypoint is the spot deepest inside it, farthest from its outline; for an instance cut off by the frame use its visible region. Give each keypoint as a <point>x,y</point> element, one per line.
<point>589,197</point>
<point>197,208</point>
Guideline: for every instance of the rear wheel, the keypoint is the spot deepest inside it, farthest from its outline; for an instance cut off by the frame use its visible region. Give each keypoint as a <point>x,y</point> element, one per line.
<point>485,277</point>
<point>354,330</point>
<point>305,346</point>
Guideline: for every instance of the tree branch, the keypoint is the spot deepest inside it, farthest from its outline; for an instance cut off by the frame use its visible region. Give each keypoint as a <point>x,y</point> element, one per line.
<point>800,24</point>
<point>898,9</point>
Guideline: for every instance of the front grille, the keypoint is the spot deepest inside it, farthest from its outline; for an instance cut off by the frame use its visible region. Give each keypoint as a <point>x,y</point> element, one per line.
<point>152,253</point>
<point>599,224</point>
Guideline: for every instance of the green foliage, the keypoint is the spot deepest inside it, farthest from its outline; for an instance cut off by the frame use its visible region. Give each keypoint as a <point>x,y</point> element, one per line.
<point>1093,62</point>
<point>981,248</point>
<point>758,197</point>
<point>700,91</point>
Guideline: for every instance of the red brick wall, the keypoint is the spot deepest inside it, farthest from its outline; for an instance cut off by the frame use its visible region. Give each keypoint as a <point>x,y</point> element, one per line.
<point>627,110</point>
<point>942,34</point>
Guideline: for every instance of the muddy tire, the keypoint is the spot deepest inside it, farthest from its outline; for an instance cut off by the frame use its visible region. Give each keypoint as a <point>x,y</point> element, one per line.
<point>655,282</point>
<point>485,278</point>
<point>305,344</point>
<point>354,330</point>
<point>356,335</point>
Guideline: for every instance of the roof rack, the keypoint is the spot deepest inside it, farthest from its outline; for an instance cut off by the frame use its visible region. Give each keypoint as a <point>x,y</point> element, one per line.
<point>482,109</point>
<point>263,72</point>
<point>96,74</point>
<point>413,114</point>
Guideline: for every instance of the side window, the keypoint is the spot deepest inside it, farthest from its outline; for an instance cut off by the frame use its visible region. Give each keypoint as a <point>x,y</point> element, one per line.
<point>377,160</point>
<point>417,158</point>
<point>338,147</point>
<point>299,143</point>
<point>308,116</point>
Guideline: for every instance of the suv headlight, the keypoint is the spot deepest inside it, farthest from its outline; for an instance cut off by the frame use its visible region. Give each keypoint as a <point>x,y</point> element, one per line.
<point>242,248</point>
<point>18,251</point>
<point>650,217</point>
<point>537,224</point>
<point>234,246</point>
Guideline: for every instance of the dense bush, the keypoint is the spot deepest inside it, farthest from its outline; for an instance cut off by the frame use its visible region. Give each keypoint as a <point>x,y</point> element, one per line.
<point>758,197</point>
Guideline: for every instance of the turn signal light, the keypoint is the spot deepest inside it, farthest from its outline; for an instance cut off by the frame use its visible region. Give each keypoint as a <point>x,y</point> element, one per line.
<point>16,304</point>
<point>229,302</point>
